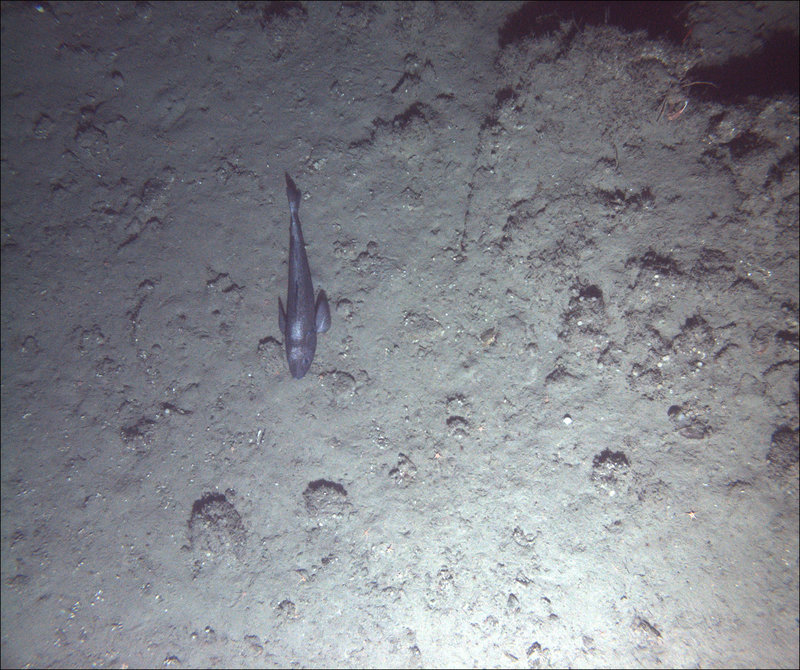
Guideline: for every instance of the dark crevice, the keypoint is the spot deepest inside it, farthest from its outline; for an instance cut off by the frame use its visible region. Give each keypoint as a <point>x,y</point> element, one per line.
<point>535,19</point>
<point>770,71</point>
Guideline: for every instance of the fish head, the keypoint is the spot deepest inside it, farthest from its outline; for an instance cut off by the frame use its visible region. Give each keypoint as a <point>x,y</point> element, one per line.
<point>300,354</point>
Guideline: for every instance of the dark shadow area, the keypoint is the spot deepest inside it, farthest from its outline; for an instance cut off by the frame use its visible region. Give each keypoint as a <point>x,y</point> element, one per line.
<point>773,70</point>
<point>534,19</point>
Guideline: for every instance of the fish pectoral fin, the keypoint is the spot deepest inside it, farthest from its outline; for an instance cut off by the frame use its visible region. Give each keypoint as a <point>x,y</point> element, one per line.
<point>323,313</point>
<point>281,317</point>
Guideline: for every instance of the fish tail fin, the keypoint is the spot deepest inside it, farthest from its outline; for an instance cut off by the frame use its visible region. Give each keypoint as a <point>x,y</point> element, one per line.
<point>293,193</point>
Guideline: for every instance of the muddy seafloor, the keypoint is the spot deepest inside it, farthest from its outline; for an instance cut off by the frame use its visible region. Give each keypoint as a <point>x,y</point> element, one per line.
<point>555,420</point>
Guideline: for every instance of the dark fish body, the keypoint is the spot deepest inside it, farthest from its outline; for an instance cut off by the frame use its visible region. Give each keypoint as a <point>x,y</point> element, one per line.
<point>303,317</point>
